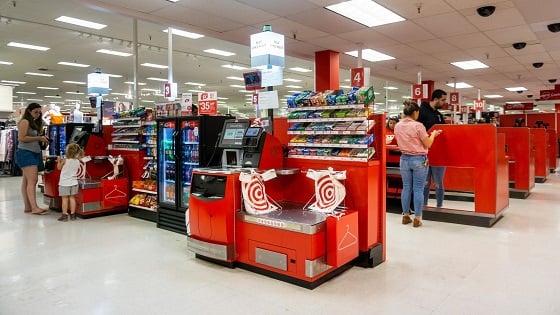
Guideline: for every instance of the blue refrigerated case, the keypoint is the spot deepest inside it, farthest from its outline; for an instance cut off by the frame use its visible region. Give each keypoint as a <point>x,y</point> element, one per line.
<point>57,135</point>
<point>183,144</point>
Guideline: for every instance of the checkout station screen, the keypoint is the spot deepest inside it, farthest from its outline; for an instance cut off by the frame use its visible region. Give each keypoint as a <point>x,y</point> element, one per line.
<point>232,133</point>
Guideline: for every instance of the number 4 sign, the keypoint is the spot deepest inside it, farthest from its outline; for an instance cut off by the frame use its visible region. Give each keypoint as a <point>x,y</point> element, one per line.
<point>359,77</point>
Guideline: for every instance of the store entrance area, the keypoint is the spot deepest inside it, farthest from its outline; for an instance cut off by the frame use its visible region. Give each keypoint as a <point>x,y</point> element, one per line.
<point>123,265</point>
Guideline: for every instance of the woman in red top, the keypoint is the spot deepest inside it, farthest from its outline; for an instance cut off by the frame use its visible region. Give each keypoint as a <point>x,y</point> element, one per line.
<point>390,132</point>
<point>414,143</point>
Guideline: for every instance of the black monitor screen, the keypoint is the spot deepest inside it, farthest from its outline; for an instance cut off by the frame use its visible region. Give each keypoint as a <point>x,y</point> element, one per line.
<point>232,133</point>
<point>252,132</point>
<point>79,136</point>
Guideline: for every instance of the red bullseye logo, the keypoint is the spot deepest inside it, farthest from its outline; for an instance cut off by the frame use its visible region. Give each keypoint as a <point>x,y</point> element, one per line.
<point>255,195</point>
<point>325,192</point>
<point>81,170</point>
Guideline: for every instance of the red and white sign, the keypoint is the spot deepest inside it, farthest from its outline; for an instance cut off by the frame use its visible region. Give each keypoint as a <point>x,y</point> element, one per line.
<point>464,109</point>
<point>255,99</point>
<point>479,104</point>
<point>547,95</point>
<point>208,103</point>
<point>419,91</point>
<point>359,77</point>
<point>186,104</point>
<point>454,98</point>
<point>519,106</point>
<point>170,90</point>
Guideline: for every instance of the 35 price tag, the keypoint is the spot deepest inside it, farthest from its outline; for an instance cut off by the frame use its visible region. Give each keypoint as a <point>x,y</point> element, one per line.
<point>208,107</point>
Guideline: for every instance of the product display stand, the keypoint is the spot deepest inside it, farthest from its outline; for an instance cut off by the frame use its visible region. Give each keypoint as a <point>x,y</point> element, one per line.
<point>521,153</point>
<point>540,139</point>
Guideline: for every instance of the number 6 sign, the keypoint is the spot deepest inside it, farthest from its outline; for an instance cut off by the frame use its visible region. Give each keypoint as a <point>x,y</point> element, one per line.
<point>419,91</point>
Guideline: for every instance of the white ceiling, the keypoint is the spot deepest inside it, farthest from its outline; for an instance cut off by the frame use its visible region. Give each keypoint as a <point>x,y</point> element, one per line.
<point>443,31</point>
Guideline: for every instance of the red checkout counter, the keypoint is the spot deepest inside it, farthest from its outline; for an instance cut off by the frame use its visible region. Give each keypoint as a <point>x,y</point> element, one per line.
<point>97,194</point>
<point>291,244</point>
<point>476,164</point>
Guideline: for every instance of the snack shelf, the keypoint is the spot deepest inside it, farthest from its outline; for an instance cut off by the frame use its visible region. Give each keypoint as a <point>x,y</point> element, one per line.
<point>328,132</point>
<point>329,158</point>
<point>125,141</point>
<point>118,134</point>
<point>334,119</point>
<point>145,191</point>
<point>127,126</point>
<point>142,207</point>
<point>328,145</point>
<point>347,106</point>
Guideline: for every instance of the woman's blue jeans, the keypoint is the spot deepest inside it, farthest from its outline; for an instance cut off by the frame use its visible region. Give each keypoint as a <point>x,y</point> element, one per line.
<point>436,174</point>
<point>413,173</point>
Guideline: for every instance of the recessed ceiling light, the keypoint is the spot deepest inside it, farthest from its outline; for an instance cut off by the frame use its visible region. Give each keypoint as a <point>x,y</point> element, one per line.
<point>365,12</point>
<point>153,65</point>
<point>292,80</point>
<point>517,88</point>
<point>27,46</point>
<point>146,101</point>
<point>13,82</point>
<point>130,82</point>
<point>390,88</point>
<point>460,85</point>
<point>342,86</point>
<point>234,67</point>
<point>469,64</point>
<point>196,91</point>
<point>195,83</point>
<point>39,74</point>
<point>30,93</point>
<point>235,78</point>
<point>223,98</point>
<point>80,22</point>
<point>75,93</point>
<point>219,52</point>
<point>73,64</point>
<point>370,55</point>
<point>173,1</point>
<point>513,102</point>
<point>237,86</point>
<point>157,79</point>
<point>294,91</point>
<point>493,96</point>
<point>186,34</point>
<point>121,94</point>
<point>245,91</point>
<point>47,88</point>
<point>298,69</point>
<point>53,96</point>
<point>294,86</point>
<point>114,53</point>
<point>35,99</point>
<point>74,82</point>
<point>6,63</point>
<point>113,75</point>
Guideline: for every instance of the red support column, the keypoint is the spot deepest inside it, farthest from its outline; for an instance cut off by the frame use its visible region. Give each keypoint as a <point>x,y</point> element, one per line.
<point>327,70</point>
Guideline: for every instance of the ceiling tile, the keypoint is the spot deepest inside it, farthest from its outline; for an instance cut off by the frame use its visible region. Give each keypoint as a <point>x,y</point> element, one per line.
<point>509,35</point>
<point>326,21</point>
<point>433,46</point>
<point>405,32</point>
<point>448,24</point>
<point>472,40</point>
<point>369,38</point>
<point>500,19</point>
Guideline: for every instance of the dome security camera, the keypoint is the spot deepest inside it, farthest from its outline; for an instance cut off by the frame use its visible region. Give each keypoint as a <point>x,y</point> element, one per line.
<point>519,92</point>
<point>486,11</point>
<point>554,27</point>
<point>551,80</point>
<point>538,64</point>
<point>519,45</point>
<point>529,95</point>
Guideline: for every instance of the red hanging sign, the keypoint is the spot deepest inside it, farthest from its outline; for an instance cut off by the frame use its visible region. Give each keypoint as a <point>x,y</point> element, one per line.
<point>478,104</point>
<point>454,98</point>
<point>208,103</point>
<point>357,77</point>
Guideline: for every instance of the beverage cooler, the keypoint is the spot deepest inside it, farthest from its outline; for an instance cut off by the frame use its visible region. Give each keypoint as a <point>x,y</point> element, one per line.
<point>57,135</point>
<point>184,143</point>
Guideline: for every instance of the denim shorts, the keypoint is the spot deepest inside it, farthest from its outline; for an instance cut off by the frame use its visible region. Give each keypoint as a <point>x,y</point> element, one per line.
<point>25,158</point>
<point>67,190</point>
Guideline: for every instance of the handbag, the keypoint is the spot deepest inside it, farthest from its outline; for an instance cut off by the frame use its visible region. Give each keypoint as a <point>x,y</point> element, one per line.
<point>41,165</point>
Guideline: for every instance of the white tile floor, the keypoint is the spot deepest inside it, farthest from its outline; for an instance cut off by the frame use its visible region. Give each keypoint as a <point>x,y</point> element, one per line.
<point>122,265</point>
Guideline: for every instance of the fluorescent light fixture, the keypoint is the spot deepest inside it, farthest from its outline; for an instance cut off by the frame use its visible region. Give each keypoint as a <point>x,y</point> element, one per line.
<point>75,93</point>
<point>27,46</point>
<point>234,67</point>
<point>245,91</point>
<point>130,82</point>
<point>74,82</point>
<point>298,69</point>
<point>173,1</point>
<point>294,86</point>
<point>53,96</point>
<point>114,53</point>
<point>345,87</point>
<point>30,93</point>
<point>195,83</point>
<point>6,63</point>
<point>391,101</point>
<point>150,90</point>
<point>517,88</point>
<point>80,22</point>
<point>460,85</point>
<point>153,65</point>
<point>47,88</point>
<point>157,79</point>
<point>219,52</point>
<point>146,101</point>
<point>237,86</point>
<point>469,64</point>
<point>294,91</point>
<point>365,12</point>
<point>35,99</point>
<point>113,75</point>
<point>186,34</point>
<point>370,55</point>
<point>493,96</point>
<point>513,102</point>
<point>13,82</point>
<point>122,94</point>
<point>40,74</point>
<point>73,64</point>
<point>390,88</point>
<point>223,98</point>
<point>235,78</point>
<point>292,80</point>
<point>196,91</point>
<point>406,97</point>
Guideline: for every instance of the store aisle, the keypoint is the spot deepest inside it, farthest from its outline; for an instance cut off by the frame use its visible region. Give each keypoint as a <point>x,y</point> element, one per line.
<point>121,265</point>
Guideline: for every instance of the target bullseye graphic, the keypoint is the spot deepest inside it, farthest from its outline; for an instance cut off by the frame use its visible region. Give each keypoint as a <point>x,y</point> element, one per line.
<point>325,192</point>
<point>81,171</point>
<point>255,195</point>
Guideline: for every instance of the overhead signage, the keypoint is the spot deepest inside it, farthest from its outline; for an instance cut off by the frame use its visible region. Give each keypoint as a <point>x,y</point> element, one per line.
<point>359,77</point>
<point>170,91</point>
<point>255,99</point>
<point>419,91</point>
<point>479,104</point>
<point>267,48</point>
<point>268,99</point>
<point>208,103</point>
<point>272,76</point>
<point>519,106</point>
<point>186,104</point>
<point>252,80</point>
<point>98,83</point>
<point>454,98</point>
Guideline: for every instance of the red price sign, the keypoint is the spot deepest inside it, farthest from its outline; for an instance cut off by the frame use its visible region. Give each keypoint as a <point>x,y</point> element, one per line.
<point>478,104</point>
<point>255,99</point>
<point>167,90</point>
<point>208,107</point>
<point>357,77</point>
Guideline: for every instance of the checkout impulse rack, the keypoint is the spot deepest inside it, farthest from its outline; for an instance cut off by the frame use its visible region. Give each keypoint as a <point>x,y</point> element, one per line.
<point>299,246</point>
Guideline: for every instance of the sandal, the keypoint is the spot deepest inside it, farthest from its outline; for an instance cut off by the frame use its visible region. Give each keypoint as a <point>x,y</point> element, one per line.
<point>72,216</point>
<point>39,211</point>
<point>27,210</point>
<point>63,218</point>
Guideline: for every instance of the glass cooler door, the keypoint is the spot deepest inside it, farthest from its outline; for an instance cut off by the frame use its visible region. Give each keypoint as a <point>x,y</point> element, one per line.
<point>189,157</point>
<point>167,166</point>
